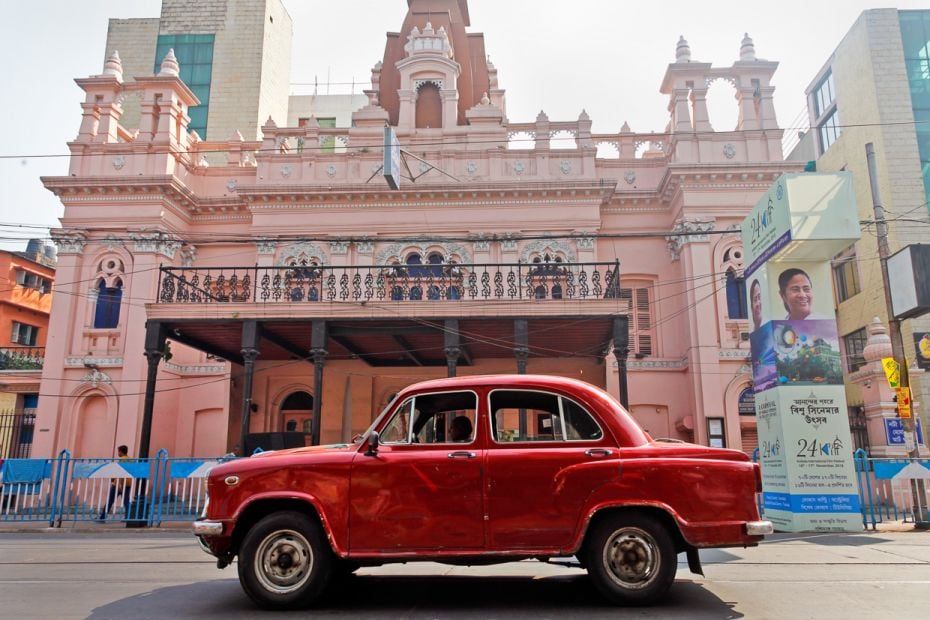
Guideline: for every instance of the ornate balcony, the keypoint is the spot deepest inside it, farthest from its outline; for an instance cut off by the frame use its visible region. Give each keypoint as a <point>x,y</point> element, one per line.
<point>450,282</point>
<point>22,358</point>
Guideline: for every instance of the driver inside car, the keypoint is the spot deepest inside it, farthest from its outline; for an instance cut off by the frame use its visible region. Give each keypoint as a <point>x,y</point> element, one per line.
<point>460,429</point>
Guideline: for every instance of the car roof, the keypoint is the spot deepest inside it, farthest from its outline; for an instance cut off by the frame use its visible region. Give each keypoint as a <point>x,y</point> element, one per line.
<point>510,380</point>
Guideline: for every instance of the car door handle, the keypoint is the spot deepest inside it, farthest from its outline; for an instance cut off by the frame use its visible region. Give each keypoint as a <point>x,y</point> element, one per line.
<point>462,455</point>
<point>598,452</point>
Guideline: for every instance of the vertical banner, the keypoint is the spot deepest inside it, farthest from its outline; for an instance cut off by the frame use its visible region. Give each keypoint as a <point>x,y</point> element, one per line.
<point>805,447</point>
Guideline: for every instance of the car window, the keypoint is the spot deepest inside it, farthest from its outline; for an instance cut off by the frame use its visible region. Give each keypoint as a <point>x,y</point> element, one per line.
<point>397,430</point>
<point>446,417</point>
<point>526,415</point>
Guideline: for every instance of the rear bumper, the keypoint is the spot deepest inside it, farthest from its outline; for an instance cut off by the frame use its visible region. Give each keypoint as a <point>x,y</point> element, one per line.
<point>759,528</point>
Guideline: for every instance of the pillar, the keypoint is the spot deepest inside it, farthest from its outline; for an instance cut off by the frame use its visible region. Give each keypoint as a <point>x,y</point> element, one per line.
<point>251,337</point>
<point>621,337</point>
<point>154,350</point>
<point>453,349</point>
<point>318,351</point>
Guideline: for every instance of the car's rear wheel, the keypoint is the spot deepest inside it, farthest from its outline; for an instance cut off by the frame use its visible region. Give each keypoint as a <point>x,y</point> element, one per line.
<point>631,558</point>
<point>284,561</point>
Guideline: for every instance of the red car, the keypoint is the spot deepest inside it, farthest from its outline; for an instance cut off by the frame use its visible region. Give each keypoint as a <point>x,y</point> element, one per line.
<point>477,470</point>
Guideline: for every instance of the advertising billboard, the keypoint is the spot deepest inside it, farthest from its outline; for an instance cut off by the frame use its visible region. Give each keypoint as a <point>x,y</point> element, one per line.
<point>805,447</point>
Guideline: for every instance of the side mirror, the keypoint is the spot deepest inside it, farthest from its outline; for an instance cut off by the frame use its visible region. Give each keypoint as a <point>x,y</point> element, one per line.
<point>374,439</point>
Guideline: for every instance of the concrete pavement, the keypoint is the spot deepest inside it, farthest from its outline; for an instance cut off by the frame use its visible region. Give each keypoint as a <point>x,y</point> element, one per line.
<point>118,573</point>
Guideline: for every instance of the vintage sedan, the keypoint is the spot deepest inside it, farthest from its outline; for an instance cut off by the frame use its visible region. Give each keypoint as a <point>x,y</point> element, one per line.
<point>477,470</point>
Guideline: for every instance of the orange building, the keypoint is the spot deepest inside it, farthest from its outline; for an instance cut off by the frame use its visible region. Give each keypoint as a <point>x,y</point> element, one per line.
<point>25,302</point>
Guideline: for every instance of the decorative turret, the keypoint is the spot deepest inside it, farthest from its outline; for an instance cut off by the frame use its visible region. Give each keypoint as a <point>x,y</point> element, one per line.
<point>747,51</point>
<point>682,50</point>
<point>428,41</point>
<point>878,344</point>
<point>113,67</point>
<point>170,66</point>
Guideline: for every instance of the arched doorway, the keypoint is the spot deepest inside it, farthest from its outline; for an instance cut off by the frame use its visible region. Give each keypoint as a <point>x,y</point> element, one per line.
<point>297,414</point>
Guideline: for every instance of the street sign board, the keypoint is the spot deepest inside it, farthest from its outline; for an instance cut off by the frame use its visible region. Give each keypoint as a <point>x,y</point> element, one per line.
<point>904,402</point>
<point>391,158</point>
<point>892,372</point>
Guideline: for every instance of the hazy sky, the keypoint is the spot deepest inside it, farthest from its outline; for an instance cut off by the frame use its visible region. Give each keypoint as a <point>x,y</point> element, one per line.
<point>605,56</point>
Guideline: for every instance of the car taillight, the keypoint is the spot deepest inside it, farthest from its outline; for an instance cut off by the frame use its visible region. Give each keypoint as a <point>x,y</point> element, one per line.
<point>758,472</point>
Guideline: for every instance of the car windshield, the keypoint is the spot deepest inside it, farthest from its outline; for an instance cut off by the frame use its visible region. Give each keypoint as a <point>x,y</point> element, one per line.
<point>358,439</point>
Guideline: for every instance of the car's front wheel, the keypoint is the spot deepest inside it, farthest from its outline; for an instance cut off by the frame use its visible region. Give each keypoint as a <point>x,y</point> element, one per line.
<point>284,561</point>
<point>631,558</point>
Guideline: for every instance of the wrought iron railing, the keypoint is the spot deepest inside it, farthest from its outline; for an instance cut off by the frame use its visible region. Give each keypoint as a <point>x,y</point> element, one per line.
<point>22,358</point>
<point>357,283</point>
<point>17,429</point>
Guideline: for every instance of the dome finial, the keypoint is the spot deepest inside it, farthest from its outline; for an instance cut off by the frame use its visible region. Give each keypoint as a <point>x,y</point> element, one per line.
<point>747,51</point>
<point>114,66</point>
<point>682,50</point>
<point>170,66</point>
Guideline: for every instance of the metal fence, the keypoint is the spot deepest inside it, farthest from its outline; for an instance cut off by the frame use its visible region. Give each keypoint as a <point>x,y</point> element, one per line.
<point>429,282</point>
<point>143,492</point>
<point>17,429</point>
<point>886,489</point>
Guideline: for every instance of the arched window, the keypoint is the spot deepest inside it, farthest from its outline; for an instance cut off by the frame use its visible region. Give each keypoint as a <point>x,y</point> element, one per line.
<point>435,261</point>
<point>736,296</point>
<point>414,265</point>
<point>429,107</point>
<point>106,315</point>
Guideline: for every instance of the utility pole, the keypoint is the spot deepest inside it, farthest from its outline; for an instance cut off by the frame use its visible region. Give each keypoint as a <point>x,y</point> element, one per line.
<point>918,492</point>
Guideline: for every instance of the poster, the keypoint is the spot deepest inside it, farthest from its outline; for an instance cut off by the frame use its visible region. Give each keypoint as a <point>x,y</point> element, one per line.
<point>922,349</point>
<point>805,448</point>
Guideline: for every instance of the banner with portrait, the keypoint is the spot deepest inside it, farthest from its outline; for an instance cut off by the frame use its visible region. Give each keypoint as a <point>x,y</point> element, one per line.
<point>805,447</point>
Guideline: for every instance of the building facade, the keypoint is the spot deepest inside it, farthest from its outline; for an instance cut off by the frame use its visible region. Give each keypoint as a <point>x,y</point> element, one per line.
<point>25,303</point>
<point>291,287</point>
<point>875,88</point>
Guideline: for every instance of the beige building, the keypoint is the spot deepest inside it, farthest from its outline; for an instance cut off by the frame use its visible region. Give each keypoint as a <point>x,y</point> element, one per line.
<point>235,55</point>
<point>875,88</point>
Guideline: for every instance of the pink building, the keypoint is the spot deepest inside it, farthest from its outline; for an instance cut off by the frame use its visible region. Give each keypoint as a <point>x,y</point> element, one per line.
<point>292,284</point>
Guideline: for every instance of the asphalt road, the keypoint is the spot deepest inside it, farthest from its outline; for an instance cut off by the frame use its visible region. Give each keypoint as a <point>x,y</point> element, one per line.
<point>131,575</point>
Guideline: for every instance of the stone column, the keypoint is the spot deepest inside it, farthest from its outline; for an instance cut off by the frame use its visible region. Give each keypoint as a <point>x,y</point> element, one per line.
<point>621,339</point>
<point>318,351</point>
<point>251,338</point>
<point>699,105</point>
<point>452,348</point>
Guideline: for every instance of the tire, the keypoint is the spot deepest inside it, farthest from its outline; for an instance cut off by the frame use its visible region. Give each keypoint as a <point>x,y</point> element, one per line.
<point>631,559</point>
<point>285,561</point>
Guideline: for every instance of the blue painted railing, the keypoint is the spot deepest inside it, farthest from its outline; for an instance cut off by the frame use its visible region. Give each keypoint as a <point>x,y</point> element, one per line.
<point>885,492</point>
<point>145,492</point>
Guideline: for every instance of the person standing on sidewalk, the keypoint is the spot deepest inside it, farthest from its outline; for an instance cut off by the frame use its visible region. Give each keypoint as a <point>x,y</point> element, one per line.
<point>117,487</point>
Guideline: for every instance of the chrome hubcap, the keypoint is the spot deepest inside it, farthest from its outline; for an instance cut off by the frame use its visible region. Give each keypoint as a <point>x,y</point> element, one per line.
<point>283,561</point>
<point>631,557</point>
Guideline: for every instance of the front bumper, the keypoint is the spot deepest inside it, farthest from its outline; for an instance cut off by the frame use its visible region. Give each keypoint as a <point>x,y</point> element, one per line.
<point>759,528</point>
<point>207,528</point>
